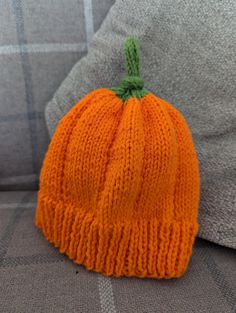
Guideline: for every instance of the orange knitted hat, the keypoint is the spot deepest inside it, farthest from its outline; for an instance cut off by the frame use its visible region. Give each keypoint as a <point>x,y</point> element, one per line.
<point>119,185</point>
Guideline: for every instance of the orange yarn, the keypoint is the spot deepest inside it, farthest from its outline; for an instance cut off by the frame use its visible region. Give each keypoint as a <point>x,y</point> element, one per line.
<point>119,187</point>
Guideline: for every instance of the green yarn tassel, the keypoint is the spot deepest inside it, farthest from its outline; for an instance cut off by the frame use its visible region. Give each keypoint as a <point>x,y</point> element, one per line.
<point>132,84</point>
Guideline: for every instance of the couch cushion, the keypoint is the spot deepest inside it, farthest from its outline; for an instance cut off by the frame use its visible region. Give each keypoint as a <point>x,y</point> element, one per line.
<point>35,277</point>
<point>188,58</point>
<point>39,43</point>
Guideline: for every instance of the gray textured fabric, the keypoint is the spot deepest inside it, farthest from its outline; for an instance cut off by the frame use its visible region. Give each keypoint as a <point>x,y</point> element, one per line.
<point>39,43</point>
<point>188,58</point>
<point>35,277</point>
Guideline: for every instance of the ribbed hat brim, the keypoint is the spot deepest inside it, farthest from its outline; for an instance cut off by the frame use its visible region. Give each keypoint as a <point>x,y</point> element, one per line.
<point>155,249</point>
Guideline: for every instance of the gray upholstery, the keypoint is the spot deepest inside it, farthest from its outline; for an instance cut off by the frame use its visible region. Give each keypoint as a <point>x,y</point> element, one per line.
<point>35,277</point>
<point>188,58</point>
<point>39,43</point>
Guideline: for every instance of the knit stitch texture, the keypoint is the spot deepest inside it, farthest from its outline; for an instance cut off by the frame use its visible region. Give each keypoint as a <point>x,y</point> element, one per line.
<point>119,187</point>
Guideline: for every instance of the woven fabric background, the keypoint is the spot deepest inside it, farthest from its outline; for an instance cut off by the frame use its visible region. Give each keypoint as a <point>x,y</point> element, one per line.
<point>36,278</point>
<point>188,58</point>
<point>39,43</point>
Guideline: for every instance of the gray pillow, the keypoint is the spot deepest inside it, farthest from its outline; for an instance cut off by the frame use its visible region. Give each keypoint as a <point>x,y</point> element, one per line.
<point>40,41</point>
<point>188,58</point>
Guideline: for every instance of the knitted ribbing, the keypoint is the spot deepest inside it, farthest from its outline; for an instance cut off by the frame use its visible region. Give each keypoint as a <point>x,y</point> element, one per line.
<point>119,186</point>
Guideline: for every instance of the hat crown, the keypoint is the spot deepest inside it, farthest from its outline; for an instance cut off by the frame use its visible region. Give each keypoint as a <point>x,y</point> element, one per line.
<point>121,160</point>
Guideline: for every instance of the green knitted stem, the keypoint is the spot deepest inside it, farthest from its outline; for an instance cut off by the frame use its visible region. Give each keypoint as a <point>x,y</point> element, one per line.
<point>132,84</point>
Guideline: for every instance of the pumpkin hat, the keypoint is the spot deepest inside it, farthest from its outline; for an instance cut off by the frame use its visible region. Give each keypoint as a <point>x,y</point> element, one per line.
<point>119,185</point>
